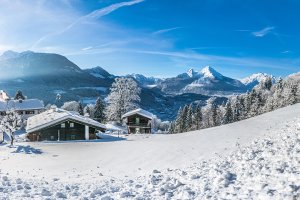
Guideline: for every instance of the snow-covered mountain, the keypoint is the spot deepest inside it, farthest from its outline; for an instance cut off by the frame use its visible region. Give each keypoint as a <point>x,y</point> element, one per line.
<point>207,81</point>
<point>9,55</point>
<point>99,72</point>
<point>145,81</point>
<point>255,79</point>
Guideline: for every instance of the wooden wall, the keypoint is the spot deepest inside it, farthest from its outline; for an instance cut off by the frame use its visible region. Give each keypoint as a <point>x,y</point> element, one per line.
<point>68,133</point>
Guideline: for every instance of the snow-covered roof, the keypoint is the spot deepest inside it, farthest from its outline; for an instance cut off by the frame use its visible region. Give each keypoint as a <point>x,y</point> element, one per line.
<point>27,104</point>
<point>3,95</point>
<point>139,111</point>
<point>55,116</point>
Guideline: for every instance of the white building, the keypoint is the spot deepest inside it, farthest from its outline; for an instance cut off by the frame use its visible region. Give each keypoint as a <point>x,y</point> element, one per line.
<point>26,108</point>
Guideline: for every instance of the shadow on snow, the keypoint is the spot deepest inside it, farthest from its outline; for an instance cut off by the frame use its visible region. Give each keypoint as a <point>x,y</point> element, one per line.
<point>27,150</point>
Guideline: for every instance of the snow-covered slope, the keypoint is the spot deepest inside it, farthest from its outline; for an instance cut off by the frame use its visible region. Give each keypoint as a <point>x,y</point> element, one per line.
<point>256,158</point>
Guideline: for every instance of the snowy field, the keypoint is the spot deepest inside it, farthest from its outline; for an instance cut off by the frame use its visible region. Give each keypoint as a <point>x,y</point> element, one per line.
<point>258,158</point>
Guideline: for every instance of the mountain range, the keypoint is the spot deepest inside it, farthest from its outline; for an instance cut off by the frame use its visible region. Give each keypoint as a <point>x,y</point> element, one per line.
<point>44,75</point>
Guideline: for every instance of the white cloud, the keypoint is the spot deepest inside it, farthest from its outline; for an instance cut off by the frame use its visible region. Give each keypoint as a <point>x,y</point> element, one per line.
<point>86,48</point>
<point>236,61</point>
<point>205,59</point>
<point>165,30</point>
<point>263,32</point>
<point>286,52</point>
<point>92,15</point>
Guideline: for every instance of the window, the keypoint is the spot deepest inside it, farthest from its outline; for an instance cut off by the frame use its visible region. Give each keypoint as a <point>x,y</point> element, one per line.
<point>71,125</point>
<point>73,137</point>
<point>63,125</point>
<point>137,120</point>
<point>29,112</point>
<point>137,130</point>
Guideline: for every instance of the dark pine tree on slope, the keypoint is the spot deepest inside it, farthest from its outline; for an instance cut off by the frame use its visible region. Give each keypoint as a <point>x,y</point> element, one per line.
<point>189,118</point>
<point>198,117</point>
<point>19,95</point>
<point>80,108</point>
<point>99,110</point>
<point>228,118</point>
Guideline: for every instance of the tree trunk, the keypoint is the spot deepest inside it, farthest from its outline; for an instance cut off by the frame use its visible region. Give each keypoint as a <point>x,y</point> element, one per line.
<point>12,138</point>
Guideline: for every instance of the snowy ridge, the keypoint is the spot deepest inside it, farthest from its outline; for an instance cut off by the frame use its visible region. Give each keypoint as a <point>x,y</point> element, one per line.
<point>143,80</point>
<point>209,72</point>
<point>191,73</point>
<point>256,78</point>
<point>210,82</point>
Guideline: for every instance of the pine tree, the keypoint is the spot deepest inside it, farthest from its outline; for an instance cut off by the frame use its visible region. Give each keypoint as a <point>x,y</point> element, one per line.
<point>87,110</point>
<point>19,95</point>
<point>214,115</point>
<point>184,117</point>
<point>123,97</point>
<point>235,109</point>
<point>269,106</point>
<point>99,110</point>
<point>80,108</point>
<point>256,103</point>
<point>189,118</point>
<point>198,117</point>
<point>172,128</point>
<point>268,83</point>
<point>178,125</point>
<point>242,107</point>
<point>253,104</point>
<point>228,118</point>
<point>248,102</point>
<point>292,94</point>
<point>278,93</point>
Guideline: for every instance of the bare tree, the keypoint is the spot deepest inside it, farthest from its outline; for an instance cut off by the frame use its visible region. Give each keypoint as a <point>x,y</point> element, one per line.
<point>10,123</point>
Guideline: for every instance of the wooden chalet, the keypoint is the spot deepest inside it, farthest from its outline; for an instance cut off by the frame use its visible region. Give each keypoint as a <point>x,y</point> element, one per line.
<point>138,121</point>
<point>61,125</point>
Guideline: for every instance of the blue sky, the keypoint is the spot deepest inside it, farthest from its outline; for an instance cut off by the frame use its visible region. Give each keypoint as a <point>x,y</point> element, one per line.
<point>159,37</point>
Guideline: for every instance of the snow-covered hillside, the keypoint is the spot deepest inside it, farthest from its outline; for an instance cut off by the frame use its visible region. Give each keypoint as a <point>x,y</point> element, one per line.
<point>257,158</point>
